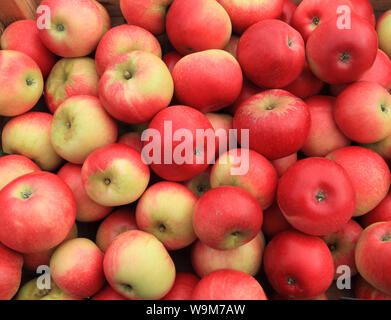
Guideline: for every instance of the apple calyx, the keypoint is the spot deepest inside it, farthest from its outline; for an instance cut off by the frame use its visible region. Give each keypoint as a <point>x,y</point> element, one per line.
<point>128,75</point>
<point>344,57</point>
<point>320,196</point>
<point>315,21</point>
<point>29,82</point>
<point>291,281</point>
<point>60,27</point>
<point>386,238</point>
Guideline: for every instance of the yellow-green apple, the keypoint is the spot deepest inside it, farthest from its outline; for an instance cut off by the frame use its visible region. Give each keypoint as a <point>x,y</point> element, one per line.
<point>381,213</point>
<point>382,147</point>
<point>29,135</point>
<point>281,46</point>
<point>183,287</point>
<point>108,293</point>
<point>342,245</point>
<point>222,123</point>
<point>138,266</point>
<point>37,211</point>
<point>274,222</point>
<point>171,59</point>
<point>384,32</point>
<point>77,268</point>
<point>67,19</point>
<point>373,251</point>
<point>11,264</point>
<point>288,10</point>
<point>199,184</point>
<point>115,175</point>
<point>22,83</point>
<point>324,135</point>
<point>208,81</point>
<point>372,102</point>
<point>70,77</point>
<point>282,164</point>
<point>298,266</point>
<point>364,291</point>
<point>232,45</point>
<point>197,25</point>
<point>278,123</point>
<point>132,139</point>
<point>80,126</point>
<point>228,284</point>
<point>119,221</point>
<point>122,39</point>
<point>106,19</point>
<point>13,166</point>
<point>227,217</point>
<point>368,173</point>
<point>135,86</point>
<point>167,219</point>
<point>150,15</point>
<point>245,13</point>
<point>87,210</point>
<point>248,89</point>
<point>246,258</point>
<point>23,36</point>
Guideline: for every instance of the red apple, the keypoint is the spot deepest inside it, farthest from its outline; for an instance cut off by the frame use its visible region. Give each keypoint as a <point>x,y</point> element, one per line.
<point>132,139</point>
<point>10,272</point>
<point>288,10</point>
<point>379,214</point>
<point>383,32</point>
<point>183,287</point>
<point>364,291</point>
<point>282,164</point>
<point>248,89</point>
<point>108,293</point>
<point>171,59</point>
<point>274,222</point>
<point>222,124</point>
<point>365,10</point>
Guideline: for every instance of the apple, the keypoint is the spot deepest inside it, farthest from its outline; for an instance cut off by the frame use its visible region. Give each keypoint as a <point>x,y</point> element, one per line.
<point>248,89</point>
<point>228,285</point>
<point>232,45</point>
<point>115,175</point>
<point>274,222</point>
<point>381,213</point>
<point>29,135</point>
<point>384,33</point>
<point>298,266</point>
<point>227,217</point>
<point>364,291</point>
<point>119,221</point>
<point>199,184</point>
<point>171,59</point>
<point>278,123</point>
<point>14,166</point>
<point>260,180</point>
<point>11,264</point>
<point>133,140</point>
<point>365,10</point>
<point>197,25</point>
<point>138,266</point>
<point>106,19</point>
<point>288,10</point>
<point>23,36</point>
<point>324,135</point>
<point>71,77</point>
<point>166,211</point>
<point>373,255</point>
<point>372,109</point>
<point>122,39</point>
<point>22,83</point>
<point>37,211</point>
<point>222,124</point>
<point>80,126</point>
<point>108,293</point>
<point>316,196</point>
<point>68,17</point>
<point>135,86</point>
<point>282,164</point>
<point>183,287</point>
<point>368,173</point>
<point>281,46</point>
<point>246,258</point>
<point>149,15</point>
<point>382,147</point>
<point>86,209</point>
<point>245,13</point>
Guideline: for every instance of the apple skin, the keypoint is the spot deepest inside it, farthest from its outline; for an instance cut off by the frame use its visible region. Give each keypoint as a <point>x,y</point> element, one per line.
<point>259,58</point>
<point>208,81</point>
<point>86,209</point>
<point>227,217</point>
<point>133,140</point>
<point>29,135</point>
<point>199,184</point>
<point>171,59</point>
<point>197,25</point>
<point>282,164</point>
<point>316,196</point>
<point>119,221</point>
<point>369,174</point>
<point>71,77</point>
<point>298,266</point>
<point>80,126</point>
<point>37,211</point>
<point>14,166</point>
<point>364,291</point>
<point>183,287</point>
<point>131,256</point>
<point>150,15</point>
<point>246,258</point>
<point>278,123</point>
<point>137,99</point>
<point>115,175</point>
<point>122,39</point>
<point>342,245</point>
<point>372,108</point>
<point>23,36</point>
<point>22,83</point>
<point>232,45</point>
<point>365,10</point>
<point>222,123</point>
<point>384,33</point>
<point>245,13</point>
<point>324,136</point>
<point>274,222</point>
<point>248,89</point>
<point>338,56</point>
<point>11,264</point>
<point>372,255</point>
<point>77,268</point>
<point>381,213</point>
<point>260,180</point>
<point>288,10</point>
<point>228,285</point>
<point>108,293</point>
<point>166,211</point>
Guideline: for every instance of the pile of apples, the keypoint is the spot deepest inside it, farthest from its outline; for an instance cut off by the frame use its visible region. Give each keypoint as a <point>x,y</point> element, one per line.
<point>304,89</point>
